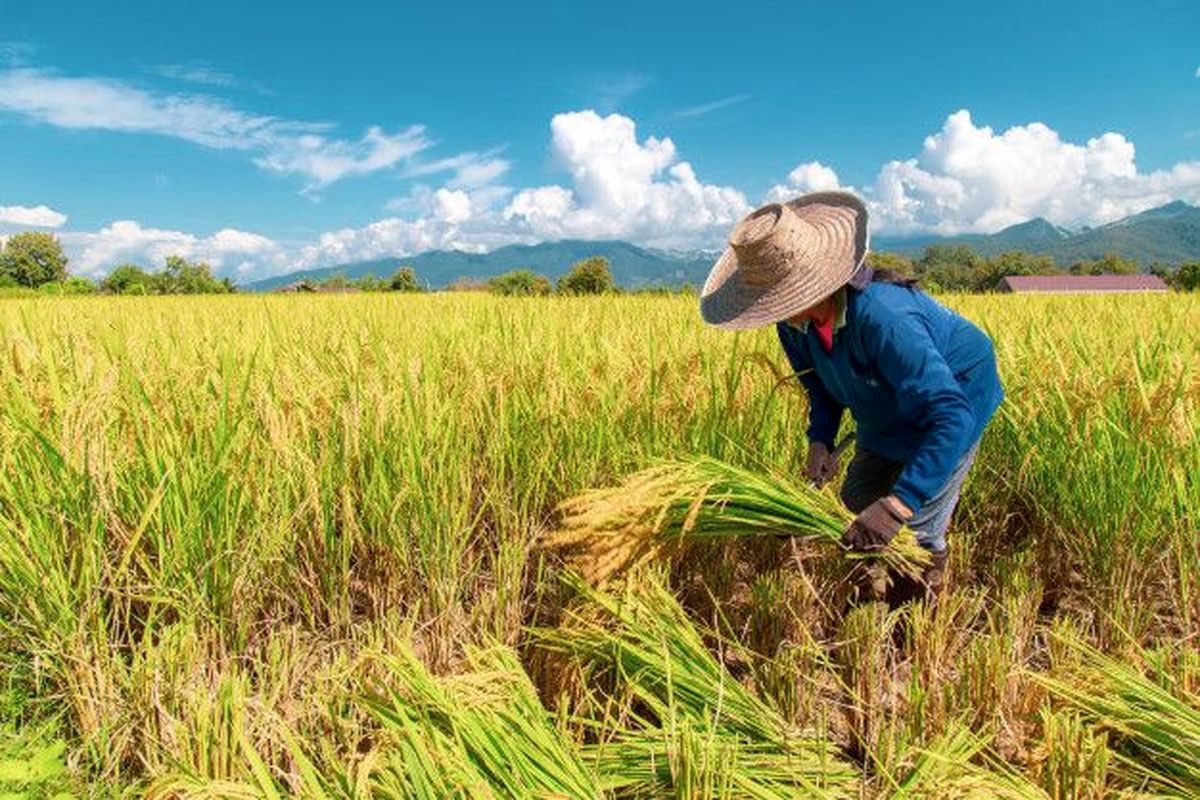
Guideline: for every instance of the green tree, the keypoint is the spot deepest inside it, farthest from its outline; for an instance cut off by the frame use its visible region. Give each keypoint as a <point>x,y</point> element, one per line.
<point>891,261</point>
<point>32,258</point>
<point>405,280</point>
<point>589,276</point>
<point>951,267</point>
<point>127,279</point>
<point>1011,262</point>
<point>1187,277</point>
<point>184,277</point>
<point>524,282</point>
<point>369,283</point>
<point>1110,264</point>
<point>74,284</point>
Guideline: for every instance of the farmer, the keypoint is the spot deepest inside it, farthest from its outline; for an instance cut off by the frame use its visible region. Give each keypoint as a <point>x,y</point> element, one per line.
<point>919,380</point>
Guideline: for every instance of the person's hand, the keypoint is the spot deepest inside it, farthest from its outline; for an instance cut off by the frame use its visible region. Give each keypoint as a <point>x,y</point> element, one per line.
<point>877,524</point>
<point>822,465</point>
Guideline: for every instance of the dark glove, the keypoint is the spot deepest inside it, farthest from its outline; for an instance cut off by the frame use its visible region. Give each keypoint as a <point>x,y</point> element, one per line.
<point>822,465</point>
<point>874,527</point>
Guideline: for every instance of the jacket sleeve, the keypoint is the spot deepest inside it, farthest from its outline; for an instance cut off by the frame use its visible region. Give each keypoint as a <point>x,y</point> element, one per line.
<point>926,391</point>
<point>824,413</point>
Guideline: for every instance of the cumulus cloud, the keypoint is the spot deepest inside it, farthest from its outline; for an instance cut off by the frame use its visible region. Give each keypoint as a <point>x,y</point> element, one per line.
<point>386,237</point>
<point>32,217</point>
<point>278,145</point>
<point>969,178</point>
<point>623,188</point>
<point>452,206</point>
<point>811,176</point>
<point>964,178</point>
<point>228,251</point>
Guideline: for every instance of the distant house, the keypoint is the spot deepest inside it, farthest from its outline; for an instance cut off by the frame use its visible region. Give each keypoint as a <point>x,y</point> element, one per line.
<point>1092,284</point>
<point>308,286</point>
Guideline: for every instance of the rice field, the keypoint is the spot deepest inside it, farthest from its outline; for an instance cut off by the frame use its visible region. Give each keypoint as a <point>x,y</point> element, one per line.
<point>270,546</point>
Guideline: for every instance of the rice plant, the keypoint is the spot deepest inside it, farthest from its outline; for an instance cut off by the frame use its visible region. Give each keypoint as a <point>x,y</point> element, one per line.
<point>1152,723</point>
<point>224,519</point>
<point>650,514</point>
<point>482,733</point>
<point>642,644</point>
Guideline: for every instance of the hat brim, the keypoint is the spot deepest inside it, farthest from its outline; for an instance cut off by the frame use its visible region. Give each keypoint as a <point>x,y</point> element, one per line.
<point>839,221</point>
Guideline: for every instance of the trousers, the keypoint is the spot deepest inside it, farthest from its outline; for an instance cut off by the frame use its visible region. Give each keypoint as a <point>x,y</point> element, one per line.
<point>870,476</point>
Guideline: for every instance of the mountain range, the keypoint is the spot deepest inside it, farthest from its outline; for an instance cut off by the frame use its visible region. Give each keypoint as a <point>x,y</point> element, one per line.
<point>1168,234</point>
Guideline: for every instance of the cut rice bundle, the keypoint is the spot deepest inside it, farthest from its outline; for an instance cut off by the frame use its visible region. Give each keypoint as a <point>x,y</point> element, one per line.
<point>1154,722</point>
<point>690,729</point>
<point>481,734</point>
<point>652,513</point>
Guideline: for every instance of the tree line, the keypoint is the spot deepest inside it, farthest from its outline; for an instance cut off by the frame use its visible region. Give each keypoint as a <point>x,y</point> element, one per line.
<point>36,261</point>
<point>959,268</point>
<point>589,276</point>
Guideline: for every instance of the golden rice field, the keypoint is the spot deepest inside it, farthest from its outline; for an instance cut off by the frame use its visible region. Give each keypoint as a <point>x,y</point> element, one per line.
<point>270,546</point>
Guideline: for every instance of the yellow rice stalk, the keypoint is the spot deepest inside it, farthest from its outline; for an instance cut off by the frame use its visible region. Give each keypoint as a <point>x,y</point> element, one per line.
<point>652,513</point>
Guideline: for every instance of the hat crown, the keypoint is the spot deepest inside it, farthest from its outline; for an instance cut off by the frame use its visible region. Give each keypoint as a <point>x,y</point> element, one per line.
<point>765,243</point>
<point>785,257</point>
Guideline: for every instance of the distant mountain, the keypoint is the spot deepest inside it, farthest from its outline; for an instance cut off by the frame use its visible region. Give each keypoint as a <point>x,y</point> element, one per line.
<point>1168,234</point>
<point>632,266</point>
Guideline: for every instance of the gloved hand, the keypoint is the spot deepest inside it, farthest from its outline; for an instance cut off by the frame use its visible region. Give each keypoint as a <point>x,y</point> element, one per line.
<point>876,525</point>
<point>822,465</point>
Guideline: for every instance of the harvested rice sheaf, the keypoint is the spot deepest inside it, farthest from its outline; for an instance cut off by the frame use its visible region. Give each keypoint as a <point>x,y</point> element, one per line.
<point>1152,721</point>
<point>654,512</point>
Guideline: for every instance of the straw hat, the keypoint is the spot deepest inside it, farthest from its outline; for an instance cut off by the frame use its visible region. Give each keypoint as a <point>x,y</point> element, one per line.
<point>785,258</point>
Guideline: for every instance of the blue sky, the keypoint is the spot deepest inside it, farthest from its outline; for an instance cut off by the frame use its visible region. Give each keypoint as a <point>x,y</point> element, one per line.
<point>268,136</point>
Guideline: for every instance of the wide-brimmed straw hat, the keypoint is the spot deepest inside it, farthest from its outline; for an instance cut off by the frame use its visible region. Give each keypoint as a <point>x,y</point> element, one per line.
<point>785,258</point>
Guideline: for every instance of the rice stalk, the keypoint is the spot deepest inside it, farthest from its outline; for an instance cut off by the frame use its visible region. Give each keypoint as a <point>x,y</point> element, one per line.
<point>483,733</point>
<point>1153,724</point>
<point>643,640</point>
<point>690,759</point>
<point>956,765</point>
<point>653,512</point>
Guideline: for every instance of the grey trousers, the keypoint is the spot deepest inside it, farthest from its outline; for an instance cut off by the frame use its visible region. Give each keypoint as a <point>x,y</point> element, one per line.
<point>870,477</point>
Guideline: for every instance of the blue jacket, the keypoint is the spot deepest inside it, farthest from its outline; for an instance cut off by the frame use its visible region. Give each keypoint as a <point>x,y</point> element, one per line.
<point>919,380</point>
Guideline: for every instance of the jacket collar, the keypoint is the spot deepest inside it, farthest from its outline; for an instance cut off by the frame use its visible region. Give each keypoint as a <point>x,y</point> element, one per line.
<point>859,280</point>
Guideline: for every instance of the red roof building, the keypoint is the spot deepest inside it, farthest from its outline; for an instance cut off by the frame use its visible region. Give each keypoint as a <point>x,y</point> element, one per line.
<point>1081,283</point>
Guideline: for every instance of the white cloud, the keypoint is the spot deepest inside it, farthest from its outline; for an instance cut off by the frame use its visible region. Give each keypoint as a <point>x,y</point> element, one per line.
<point>32,216</point>
<point>202,74</point>
<point>811,176</point>
<point>452,206</point>
<point>386,237</point>
<point>965,178</point>
<point>708,108</point>
<point>279,145</point>
<point>612,90</point>
<point>471,170</point>
<point>228,251</point>
<point>327,161</point>
<point>969,178</point>
<point>16,54</point>
<point>623,189</point>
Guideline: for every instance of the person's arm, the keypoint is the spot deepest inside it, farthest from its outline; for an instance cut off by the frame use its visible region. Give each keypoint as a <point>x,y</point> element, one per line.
<point>926,390</point>
<point>824,412</point>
